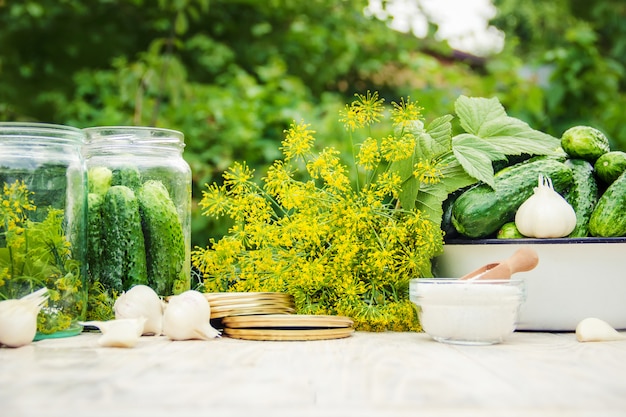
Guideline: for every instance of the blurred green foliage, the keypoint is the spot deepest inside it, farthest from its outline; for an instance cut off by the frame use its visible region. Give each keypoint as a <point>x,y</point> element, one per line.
<point>233,74</point>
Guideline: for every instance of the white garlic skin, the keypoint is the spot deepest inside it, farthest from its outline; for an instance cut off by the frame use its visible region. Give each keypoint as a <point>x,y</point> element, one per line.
<point>545,214</point>
<point>18,318</point>
<point>187,316</point>
<point>123,333</point>
<point>596,330</point>
<point>141,301</point>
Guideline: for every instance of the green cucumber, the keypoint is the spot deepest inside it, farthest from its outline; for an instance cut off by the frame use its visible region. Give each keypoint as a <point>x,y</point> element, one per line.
<point>509,231</point>
<point>583,195</point>
<point>584,142</point>
<point>165,242</point>
<point>481,210</point>
<point>94,235</point>
<point>608,218</point>
<point>123,247</point>
<point>128,176</point>
<point>610,165</point>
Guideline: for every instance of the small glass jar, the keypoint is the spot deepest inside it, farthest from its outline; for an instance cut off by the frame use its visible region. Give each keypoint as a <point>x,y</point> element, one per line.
<point>139,213</point>
<point>43,221</point>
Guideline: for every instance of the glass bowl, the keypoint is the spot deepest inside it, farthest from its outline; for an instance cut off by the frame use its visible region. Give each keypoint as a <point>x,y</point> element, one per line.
<point>478,312</point>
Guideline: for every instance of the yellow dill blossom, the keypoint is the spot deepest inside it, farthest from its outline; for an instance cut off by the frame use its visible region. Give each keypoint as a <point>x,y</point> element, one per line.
<point>427,172</point>
<point>305,230</point>
<point>388,183</point>
<point>237,178</point>
<point>369,154</point>
<point>405,111</point>
<point>298,141</point>
<point>215,202</point>
<point>396,149</point>
<point>364,111</point>
<point>370,107</point>
<point>350,118</point>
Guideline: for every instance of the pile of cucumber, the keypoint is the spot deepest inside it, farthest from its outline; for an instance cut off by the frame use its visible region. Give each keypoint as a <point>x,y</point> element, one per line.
<point>588,174</point>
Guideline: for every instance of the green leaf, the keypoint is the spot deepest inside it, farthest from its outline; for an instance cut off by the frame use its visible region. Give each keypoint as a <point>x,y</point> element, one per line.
<point>430,197</point>
<point>475,156</point>
<point>436,139</point>
<point>486,119</point>
<point>431,143</point>
<point>473,112</point>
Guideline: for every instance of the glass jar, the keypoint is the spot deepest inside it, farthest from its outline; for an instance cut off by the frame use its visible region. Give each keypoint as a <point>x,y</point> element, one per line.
<point>43,221</point>
<point>139,213</point>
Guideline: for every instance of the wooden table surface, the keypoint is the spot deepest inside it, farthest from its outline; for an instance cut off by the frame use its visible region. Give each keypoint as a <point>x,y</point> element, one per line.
<point>366,374</point>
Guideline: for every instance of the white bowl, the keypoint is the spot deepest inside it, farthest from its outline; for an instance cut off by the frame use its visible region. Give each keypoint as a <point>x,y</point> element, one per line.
<point>575,278</point>
<point>479,312</point>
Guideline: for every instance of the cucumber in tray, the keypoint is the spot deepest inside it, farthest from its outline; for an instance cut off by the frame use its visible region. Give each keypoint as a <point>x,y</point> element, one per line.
<point>608,218</point>
<point>583,195</point>
<point>585,142</point>
<point>609,166</point>
<point>481,210</point>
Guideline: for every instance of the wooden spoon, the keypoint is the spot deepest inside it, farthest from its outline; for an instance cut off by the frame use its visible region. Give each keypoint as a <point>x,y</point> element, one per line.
<point>524,259</point>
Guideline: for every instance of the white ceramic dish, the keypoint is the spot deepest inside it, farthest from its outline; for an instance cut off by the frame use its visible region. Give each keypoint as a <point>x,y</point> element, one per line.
<point>575,278</point>
<point>470,312</point>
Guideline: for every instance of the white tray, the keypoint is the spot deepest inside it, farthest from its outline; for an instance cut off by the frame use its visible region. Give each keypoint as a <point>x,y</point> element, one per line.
<point>575,278</point>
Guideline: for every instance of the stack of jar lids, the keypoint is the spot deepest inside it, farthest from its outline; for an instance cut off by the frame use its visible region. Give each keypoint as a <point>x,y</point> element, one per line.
<point>225,304</point>
<point>270,316</point>
<point>288,327</point>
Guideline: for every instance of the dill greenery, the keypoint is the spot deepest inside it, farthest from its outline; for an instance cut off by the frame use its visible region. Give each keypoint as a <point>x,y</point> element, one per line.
<point>36,254</point>
<point>340,245</point>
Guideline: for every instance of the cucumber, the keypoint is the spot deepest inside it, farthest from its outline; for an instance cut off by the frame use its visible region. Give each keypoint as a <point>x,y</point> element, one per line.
<point>123,248</point>
<point>128,176</point>
<point>509,231</point>
<point>165,243</point>
<point>608,218</point>
<point>610,165</point>
<point>94,235</point>
<point>584,142</point>
<point>481,211</point>
<point>583,195</point>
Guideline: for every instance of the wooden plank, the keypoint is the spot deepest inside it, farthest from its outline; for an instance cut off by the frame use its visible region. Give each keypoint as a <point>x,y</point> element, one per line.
<point>367,374</point>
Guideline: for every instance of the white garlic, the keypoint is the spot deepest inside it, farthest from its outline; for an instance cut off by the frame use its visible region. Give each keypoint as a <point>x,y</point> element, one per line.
<point>595,330</point>
<point>187,316</point>
<point>118,332</point>
<point>18,318</point>
<point>141,301</point>
<point>545,214</point>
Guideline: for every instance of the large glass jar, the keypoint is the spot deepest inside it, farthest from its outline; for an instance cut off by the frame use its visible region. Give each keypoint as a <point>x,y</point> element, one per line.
<point>43,221</point>
<point>139,213</point>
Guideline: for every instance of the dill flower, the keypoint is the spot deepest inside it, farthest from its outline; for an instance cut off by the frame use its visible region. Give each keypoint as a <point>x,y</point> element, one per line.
<point>336,248</point>
<point>369,154</point>
<point>427,172</point>
<point>406,111</point>
<point>364,111</point>
<point>298,141</point>
<point>397,148</point>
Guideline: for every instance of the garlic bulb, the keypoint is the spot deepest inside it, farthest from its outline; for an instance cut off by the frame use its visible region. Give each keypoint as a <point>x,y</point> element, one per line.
<point>546,213</point>
<point>141,301</point>
<point>118,332</point>
<point>187,316</point>
<point>18,318</point>
<point>595,330</point>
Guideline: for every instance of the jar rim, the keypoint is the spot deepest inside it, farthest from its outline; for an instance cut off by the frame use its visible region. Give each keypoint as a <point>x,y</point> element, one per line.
<point>142,132</point>
<point>39,130</point>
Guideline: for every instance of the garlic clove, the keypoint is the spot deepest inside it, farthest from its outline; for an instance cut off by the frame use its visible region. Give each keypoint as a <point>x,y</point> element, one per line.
<point>18,318</point>
<point>187,316</point>
<point>119,332</point>
<point>596,330</point>
<point>141,301</point>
